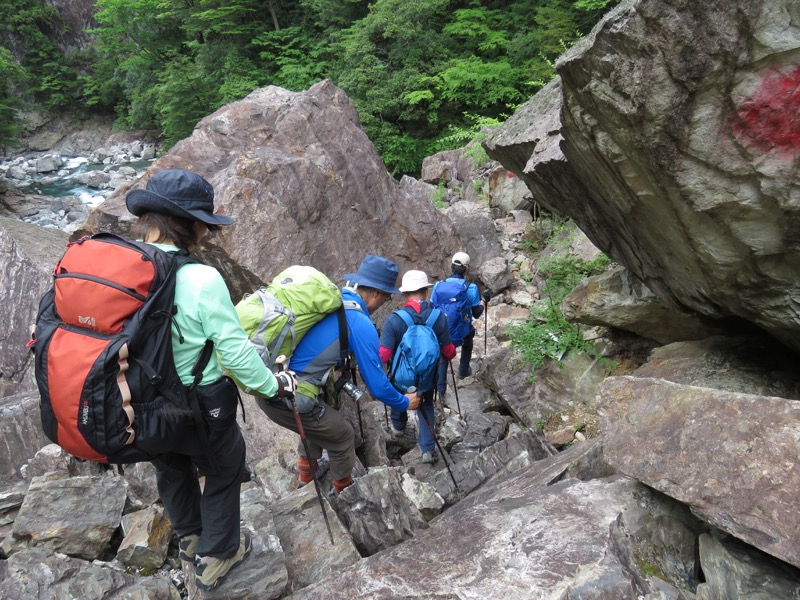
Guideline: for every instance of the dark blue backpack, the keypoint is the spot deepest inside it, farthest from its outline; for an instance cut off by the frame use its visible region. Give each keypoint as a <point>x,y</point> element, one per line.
<point>417,355</point>
<point>451,298</point>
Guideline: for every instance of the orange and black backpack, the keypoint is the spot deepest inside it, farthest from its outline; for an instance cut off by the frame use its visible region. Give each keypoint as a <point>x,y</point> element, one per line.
<point>103,352</point>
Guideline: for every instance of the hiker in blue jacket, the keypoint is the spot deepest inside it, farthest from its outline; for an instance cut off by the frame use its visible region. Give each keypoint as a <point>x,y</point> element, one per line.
<point>462,302</point>
<point>315,360</point>
<point>415,288</point>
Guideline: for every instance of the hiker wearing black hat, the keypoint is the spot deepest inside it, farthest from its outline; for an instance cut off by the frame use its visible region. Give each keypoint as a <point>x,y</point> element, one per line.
<point>415,287</point>
<point>315,360</point>
<point>175,211</point>
<point>461,301</point>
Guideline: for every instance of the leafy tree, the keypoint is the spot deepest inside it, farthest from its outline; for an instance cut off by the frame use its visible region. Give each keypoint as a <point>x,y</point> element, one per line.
<point>413,68</point>
<point>34,27</point>
<point>292,58</point>
<point>11,74</point>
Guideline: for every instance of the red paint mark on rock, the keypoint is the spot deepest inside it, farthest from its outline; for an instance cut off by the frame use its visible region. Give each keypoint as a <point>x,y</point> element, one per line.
<point>770,119</point>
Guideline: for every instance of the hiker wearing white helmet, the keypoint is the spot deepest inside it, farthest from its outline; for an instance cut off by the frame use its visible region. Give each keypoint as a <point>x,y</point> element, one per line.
<point>461,301</point>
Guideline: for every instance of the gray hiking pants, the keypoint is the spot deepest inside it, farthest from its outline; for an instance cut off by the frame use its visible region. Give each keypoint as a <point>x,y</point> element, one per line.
<point>328,430</point>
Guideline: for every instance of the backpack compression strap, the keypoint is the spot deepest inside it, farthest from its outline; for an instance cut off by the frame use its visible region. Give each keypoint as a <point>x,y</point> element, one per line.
<point>344,349</point>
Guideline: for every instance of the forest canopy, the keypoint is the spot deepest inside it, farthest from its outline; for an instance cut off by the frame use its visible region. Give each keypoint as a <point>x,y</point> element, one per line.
<point>425,75</point>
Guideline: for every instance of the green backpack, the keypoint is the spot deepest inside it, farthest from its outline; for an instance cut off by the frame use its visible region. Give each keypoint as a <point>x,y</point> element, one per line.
<point>277,317</point>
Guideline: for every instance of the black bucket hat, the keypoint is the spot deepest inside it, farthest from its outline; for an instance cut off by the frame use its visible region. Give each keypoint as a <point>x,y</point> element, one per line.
<point>179,193</point>
<point>376,272</point>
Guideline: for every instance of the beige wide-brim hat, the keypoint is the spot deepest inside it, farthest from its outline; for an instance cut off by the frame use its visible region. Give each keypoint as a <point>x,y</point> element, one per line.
<point>414,281</point>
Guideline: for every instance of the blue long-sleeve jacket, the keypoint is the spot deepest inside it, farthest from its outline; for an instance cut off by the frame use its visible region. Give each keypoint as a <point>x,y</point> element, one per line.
<point>318,351</point>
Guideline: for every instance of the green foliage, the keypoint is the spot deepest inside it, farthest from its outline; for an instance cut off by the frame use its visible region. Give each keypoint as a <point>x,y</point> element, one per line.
<point>183,98</point>
<point>294,59</point>
<point>11,74</point>
<point>439,195</point>
<point>424,75</point>
<point>47,73</point>
<point>548,335</point>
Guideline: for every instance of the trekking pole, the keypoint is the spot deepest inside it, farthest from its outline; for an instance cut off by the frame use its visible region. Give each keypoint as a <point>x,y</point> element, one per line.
<point>485,329</point>
<point>455,389</point>
<point>486,297</point>
<point>411,390</point>
<point>299,422</point>
<point>355,393</point>
<point>358,403</point>
<point>302,433</point>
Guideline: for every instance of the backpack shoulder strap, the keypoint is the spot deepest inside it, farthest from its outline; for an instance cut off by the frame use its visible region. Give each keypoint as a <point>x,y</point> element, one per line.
<point>352,305</point>
<point>433,317</point>
<point>407,318</point>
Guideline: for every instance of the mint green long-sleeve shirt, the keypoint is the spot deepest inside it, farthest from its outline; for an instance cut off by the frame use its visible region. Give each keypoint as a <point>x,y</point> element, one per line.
<point>205,311</point>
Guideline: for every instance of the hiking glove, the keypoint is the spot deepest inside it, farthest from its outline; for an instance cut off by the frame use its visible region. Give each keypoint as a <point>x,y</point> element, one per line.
<point>487,295</point>
<point>287,384</point>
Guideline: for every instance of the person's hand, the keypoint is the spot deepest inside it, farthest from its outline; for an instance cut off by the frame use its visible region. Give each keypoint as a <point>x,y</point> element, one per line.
<point>287,384</point>
<point>414,400</point>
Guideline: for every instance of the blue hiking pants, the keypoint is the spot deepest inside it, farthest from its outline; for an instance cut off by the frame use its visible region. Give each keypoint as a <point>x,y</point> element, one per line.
<point>427,422</point>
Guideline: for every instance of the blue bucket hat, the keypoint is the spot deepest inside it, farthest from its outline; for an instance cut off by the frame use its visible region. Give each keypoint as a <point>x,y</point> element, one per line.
<point>179,193</point>
<point>376,272</point>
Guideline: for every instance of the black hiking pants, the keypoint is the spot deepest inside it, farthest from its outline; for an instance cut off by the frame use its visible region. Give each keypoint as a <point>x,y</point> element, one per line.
<point>213,513</point>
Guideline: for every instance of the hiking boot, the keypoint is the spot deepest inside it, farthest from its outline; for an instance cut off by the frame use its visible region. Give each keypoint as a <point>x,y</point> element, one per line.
<point>323,464</point>
<point>186,547</point>
<point>429,457</point>
<point>396,433</point>
<point>464,374</point>
<point>210,570</point>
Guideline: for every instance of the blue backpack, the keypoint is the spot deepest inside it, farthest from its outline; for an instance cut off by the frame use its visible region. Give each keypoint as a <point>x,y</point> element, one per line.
<point>417,355</point>
<point>451,298</point>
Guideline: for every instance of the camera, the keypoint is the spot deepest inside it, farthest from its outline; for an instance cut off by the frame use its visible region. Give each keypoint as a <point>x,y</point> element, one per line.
<point>352,391</point>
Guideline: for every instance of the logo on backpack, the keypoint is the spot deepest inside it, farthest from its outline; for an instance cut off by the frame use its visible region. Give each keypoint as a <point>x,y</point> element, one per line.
<point>417,355</point>
<point>90,321</point>
<point>451,298</point>
<point>108,385</point>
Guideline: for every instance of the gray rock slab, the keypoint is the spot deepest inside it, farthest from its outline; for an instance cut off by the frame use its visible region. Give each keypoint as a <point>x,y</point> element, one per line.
<point>732,571</point>
<point>21,435</point>
<point>27,256</point>
<point>732,457</point>
<point>36,574</point>
<point>71,515</point>
<point>310,555</point>
<point>523,538</point>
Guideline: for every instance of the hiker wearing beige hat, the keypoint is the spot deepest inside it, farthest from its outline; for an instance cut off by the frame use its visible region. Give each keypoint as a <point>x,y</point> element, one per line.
<point>414,355</point>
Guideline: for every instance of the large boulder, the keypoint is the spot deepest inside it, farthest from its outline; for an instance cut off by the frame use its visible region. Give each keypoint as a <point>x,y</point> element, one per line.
<point>746,479</point>
<point>305,185</point>
<point>27,256</point>
<point>671,139</point>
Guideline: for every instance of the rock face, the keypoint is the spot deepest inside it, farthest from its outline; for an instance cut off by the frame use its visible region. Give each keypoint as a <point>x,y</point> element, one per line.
<point>672,139</point>
<point>747,489</point>
<point>27,256</point>
<point>305,185</point>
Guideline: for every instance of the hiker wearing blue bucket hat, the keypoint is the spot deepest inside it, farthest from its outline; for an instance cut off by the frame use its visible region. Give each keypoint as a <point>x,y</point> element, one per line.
<point>318,361</point>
